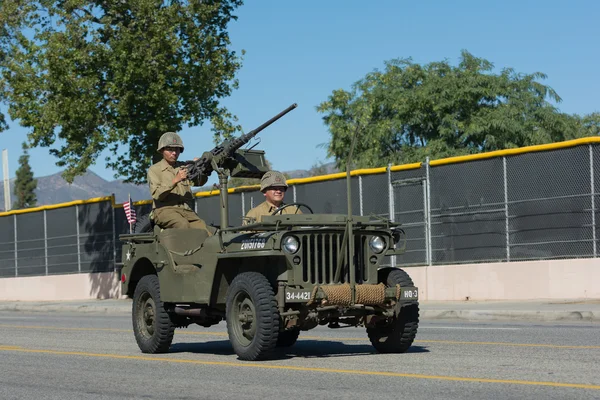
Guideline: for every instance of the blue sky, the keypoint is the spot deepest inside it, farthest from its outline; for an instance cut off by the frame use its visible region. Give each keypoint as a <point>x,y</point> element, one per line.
<point>299,52</point>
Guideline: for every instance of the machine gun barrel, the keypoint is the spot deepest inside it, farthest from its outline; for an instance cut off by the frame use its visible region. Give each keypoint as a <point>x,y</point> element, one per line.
<point>225,150</point>
<point>242,140</point>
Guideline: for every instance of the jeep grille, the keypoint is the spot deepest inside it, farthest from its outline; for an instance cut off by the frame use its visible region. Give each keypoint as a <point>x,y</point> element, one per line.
<point>320,258</point>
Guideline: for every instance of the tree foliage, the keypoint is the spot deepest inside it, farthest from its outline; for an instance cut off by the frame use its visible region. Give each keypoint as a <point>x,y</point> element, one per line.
<point>92,75</point>
<point>588,125</point>
<point>410,111</point>
<point>25,185</point>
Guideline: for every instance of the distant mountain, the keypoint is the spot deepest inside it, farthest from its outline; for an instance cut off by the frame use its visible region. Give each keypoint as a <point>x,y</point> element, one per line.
<point>323,169</point>
<point>53,189</point>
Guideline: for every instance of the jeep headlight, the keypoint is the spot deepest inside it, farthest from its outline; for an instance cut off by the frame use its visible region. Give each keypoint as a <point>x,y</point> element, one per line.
<point>377,244</point>
<point>290,244</point>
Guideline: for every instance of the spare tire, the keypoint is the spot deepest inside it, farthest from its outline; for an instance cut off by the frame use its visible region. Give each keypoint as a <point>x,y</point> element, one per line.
<point>144,224</point>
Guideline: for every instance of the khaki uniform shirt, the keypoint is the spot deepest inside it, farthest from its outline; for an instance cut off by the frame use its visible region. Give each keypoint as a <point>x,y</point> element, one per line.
<point>164,193</point>
<point>266,208</point>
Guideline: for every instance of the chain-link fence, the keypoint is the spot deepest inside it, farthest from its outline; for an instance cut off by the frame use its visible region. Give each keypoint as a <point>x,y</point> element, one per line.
<point>60,240</point>
<point>519,205</point>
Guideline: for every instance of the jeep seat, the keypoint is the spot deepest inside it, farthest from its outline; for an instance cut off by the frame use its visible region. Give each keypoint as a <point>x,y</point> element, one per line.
<point>181,240</point>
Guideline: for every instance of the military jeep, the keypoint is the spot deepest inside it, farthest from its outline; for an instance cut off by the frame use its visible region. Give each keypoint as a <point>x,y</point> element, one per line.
<point>269,280</point>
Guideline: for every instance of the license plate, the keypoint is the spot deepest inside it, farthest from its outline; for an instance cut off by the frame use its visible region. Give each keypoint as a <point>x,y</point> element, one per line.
<point>409,294</point>
<point>297,296</point>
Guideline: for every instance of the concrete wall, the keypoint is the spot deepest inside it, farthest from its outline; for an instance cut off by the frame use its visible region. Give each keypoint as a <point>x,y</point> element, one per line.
<point>527,280</point>
<point>103,285</point>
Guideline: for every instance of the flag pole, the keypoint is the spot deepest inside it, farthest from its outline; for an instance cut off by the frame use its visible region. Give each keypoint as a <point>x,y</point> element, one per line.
<point>130,205</point>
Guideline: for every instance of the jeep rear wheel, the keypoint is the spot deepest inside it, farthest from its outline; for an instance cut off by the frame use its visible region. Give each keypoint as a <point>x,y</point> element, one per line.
<point>398,335</point>
<point>252,316</point>
<point>152,326</point>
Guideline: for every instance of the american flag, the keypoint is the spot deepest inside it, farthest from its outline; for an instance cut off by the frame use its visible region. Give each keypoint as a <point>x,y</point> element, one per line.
<point>129,211</point>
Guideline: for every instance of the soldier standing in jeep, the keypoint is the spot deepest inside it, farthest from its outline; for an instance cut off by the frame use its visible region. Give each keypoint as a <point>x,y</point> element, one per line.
<point>273,185</point>
<point>171,190</point>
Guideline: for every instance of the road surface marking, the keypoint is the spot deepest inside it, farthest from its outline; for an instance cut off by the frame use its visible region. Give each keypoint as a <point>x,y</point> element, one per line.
<point>472,328</point>
<point>304,369</point>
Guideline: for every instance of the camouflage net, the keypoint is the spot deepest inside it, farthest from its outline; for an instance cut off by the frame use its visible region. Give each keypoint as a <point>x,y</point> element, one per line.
<point>365,294</point>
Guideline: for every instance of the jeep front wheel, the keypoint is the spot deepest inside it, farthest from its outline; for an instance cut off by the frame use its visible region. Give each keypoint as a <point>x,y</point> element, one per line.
<point>252,316</point>
<point>399,333</point>
<point>152,326</point>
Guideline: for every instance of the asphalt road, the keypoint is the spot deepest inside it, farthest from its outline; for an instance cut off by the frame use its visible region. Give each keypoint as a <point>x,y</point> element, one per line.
<point>84,356</point>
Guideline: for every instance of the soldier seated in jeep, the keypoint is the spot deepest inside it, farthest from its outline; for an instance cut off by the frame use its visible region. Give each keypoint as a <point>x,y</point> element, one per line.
<point>273,185</point>
<point>171,190</point>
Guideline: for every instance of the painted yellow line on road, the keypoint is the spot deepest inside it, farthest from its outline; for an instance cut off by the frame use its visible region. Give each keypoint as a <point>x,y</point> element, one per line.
<point>305,369</point>
<point>553,346</point>
<point>319,338</point>
<point>58,328</point>
<point>7,348</point>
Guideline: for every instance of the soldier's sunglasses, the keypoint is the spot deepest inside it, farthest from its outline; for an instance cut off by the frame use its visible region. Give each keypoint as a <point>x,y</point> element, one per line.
<point>278,188</point>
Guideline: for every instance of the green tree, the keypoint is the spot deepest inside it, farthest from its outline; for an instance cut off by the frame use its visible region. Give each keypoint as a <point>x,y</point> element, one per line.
<point>25,185</point>
<point>87,76</point>
<point>410,111</point>
<point>588,125</point>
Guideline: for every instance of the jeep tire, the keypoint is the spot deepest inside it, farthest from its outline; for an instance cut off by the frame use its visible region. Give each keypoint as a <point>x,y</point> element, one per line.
<point>252,316</point>
<point>152,325</point>
<point>398,335</point>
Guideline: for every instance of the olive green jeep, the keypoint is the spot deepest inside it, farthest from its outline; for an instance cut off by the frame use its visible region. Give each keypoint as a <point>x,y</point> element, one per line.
<point>269,280</point>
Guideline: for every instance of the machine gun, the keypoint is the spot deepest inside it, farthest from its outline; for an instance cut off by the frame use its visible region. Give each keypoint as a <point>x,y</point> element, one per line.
<point>223,154</point>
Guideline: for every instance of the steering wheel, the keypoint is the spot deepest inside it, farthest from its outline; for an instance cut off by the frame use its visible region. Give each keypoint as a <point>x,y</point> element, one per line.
<point>292,204</point>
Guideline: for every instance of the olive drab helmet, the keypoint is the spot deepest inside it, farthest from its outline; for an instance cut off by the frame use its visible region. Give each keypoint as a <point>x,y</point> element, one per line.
<point>170,139</point>
<point>272,178</point>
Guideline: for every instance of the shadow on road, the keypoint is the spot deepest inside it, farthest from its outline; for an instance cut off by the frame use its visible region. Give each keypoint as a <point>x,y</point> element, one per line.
<point>302,348</point>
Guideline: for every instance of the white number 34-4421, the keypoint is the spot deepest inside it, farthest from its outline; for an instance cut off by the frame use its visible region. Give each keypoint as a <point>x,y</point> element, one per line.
<point>297,295</point>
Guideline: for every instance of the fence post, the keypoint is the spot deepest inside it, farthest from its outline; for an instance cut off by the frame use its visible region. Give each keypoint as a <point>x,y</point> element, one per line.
<point>391,206</point>
<point>45,242</point>
<point>428,205</point>
<point>506,223</point>
<point>425,219</point>
<point>360,195</point>
<point>593,198</point>
<point>114,230</point>
<point>15,233</point>
<point>243,205</point>
<point>78,247</point>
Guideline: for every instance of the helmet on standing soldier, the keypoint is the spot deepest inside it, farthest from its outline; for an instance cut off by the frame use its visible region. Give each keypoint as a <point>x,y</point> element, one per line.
<point>170,139</point>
